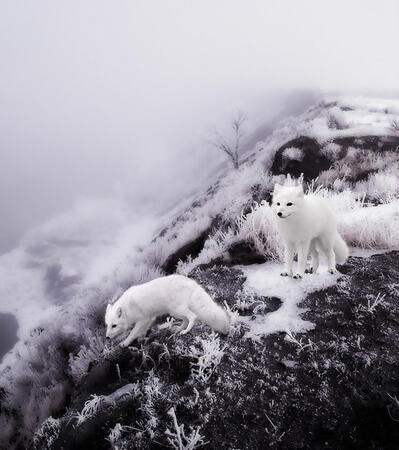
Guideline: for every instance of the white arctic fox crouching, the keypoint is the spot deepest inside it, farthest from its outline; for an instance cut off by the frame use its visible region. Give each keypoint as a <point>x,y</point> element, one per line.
<point>305,224</point>
<point>176,295</point>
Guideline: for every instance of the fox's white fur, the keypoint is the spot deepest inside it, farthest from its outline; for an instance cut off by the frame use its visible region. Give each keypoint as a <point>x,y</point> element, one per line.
<point>176,295</point>
<point>306,223</point>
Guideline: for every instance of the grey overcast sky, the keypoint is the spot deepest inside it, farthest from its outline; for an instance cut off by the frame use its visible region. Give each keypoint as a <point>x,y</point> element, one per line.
<point>96,94</point>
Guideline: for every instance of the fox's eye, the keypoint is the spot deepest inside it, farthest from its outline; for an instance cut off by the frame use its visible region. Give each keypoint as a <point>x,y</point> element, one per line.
<point>289,204</point>
<point>113,326</point>
<point>278,204</point>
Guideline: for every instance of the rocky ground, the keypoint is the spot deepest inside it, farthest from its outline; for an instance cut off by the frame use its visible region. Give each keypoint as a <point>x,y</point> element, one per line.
<point>336,386</point>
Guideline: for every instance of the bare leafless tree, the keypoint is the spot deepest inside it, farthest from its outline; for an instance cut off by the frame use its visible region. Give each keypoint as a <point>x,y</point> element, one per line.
<point>231,146</point>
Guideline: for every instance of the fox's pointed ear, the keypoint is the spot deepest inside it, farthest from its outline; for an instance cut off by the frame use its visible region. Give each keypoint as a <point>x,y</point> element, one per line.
<point>119,312</point>
<point>299,191</point>
<point>277,188</point>
<point>108,306</point>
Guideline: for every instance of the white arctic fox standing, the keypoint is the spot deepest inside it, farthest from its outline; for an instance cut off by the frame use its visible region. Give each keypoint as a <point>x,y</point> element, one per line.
<point>176,295</point>
<point>305,224</point>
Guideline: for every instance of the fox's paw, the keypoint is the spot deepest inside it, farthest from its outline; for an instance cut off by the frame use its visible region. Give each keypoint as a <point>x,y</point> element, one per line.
<point>285,274</point>
<point>332,271</point>
<point>310,270</point>
<point>297,276</point>
<point>124,344</point>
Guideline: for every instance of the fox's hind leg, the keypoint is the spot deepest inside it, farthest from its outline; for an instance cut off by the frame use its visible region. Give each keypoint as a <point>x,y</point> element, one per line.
<point>315,258</point>
<point>328,249</point>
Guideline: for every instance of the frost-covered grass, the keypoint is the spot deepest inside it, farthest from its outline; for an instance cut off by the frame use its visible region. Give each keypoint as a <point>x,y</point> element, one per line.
<point>178,438</point>
<point>374,227</point>
<point>89,352</point>
<point>207,357</point>
<point>47,434</point>
<point>90,409</point>
<point>63,274</point>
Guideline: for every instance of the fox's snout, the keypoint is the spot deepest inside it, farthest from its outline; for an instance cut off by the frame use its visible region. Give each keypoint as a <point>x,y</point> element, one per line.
<point>279,213</point>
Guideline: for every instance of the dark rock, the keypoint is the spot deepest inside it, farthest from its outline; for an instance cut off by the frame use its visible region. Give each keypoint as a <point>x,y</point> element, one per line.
<point>192,248</point>
<point>312,162</point>
<point>376,143</point>
<point>245,253</point>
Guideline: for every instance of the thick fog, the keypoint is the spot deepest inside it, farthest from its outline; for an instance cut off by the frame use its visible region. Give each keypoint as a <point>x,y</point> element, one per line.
<point>101,98</point>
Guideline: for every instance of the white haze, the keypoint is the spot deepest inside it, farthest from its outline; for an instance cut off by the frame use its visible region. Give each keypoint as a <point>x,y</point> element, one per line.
<point>101,98</point>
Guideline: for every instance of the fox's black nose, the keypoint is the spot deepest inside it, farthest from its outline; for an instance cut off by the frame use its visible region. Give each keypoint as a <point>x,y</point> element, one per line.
<point>107,338</point>
<point>279,214</point>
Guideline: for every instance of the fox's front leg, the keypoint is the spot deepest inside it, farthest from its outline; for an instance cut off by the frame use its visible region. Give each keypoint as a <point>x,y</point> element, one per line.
<point>288,259</point>
<point>331,261</point>
<point>303,250</point>
<point>140,328</point>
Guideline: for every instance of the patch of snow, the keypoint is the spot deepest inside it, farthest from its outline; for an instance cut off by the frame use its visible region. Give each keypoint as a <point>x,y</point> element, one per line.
<point>381,105</point>
<point>293,153</point>
<point>265,280</point>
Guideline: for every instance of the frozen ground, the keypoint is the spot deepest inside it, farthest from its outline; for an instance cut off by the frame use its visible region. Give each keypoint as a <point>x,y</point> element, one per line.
<point>265,281</point>
<point>311,353</point>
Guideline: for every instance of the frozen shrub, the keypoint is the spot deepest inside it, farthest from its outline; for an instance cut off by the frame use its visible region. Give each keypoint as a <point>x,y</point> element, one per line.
<point>356,163</point>
<point>115,434</point>
<point>381,186</point>
<point>90,409</point>
<point>258,228</point>
<point>207,357</point>
<point>88,353</point>
<point>331,150</point>
<point>373,227</point>
<point>47,434</point>
<point>179,440</point>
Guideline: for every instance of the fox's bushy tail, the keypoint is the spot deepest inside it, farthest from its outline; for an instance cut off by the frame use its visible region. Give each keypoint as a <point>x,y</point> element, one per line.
<point>211,313</point>
<point>341,250</point>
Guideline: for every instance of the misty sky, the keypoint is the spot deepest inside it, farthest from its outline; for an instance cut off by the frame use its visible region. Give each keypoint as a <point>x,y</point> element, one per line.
<point>98,97</point>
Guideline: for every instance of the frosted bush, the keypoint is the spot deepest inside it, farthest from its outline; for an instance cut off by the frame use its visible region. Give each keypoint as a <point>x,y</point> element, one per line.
<point>331,150</point>
<point>208,357</point>
<point>90,409</point>
<point>115,434</point>
<point>358,162</point>
<point>47,434</point>
<point>79,364</point>
<point>382,187</point>
<point>373,227</point>
<point>179,440</point>
<point>258,228</point>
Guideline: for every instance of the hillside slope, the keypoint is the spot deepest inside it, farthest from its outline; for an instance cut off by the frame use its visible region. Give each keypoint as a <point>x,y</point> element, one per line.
<point>307,364</point>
